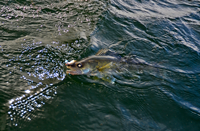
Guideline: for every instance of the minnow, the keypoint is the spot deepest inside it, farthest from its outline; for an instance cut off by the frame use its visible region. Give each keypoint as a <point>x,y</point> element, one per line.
<point>103,61</point>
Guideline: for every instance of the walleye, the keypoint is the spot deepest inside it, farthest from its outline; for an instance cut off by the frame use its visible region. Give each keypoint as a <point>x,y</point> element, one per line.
<point>101,63</point>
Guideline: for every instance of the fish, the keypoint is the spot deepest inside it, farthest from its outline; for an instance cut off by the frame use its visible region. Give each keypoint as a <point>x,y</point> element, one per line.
<point>102,62</point>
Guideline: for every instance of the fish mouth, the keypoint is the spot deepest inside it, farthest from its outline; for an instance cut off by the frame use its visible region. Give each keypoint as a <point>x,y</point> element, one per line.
<point>74,72</point>
<point>77,71</point>
<point>70,69</point>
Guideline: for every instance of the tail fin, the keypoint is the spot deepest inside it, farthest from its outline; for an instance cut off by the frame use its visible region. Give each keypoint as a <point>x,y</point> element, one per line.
<point>138,66</point>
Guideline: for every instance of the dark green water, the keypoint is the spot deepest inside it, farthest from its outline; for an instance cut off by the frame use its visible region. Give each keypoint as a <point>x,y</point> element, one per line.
<point>38,36</point>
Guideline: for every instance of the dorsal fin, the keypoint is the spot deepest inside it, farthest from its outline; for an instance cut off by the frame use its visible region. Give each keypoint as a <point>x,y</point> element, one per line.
<point>107,52</point>
<point>101,52</point>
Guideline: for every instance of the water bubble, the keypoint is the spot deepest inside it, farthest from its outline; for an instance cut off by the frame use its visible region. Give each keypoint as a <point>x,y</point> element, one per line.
<point>29,118</point>
<point>27,91</point>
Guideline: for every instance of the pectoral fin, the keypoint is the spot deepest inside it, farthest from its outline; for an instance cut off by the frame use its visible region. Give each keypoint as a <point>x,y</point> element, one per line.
<point>101,52</point>
<point>107,66</point>
<point>107,52</point>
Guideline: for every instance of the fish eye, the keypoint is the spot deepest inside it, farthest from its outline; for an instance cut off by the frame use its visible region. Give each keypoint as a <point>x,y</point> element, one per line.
<point>79,65</point>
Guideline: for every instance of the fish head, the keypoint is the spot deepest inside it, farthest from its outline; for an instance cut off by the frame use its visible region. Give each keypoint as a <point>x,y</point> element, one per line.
<point>78,67</point>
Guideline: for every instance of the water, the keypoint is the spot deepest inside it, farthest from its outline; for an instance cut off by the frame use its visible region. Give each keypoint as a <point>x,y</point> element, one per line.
<point>37,37</point>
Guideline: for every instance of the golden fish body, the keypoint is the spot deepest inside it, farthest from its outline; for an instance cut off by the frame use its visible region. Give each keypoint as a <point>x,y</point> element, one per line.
<point>91,64</point>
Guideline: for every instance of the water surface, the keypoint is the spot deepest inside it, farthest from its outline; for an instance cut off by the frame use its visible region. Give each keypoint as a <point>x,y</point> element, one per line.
<point>37,37</point>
